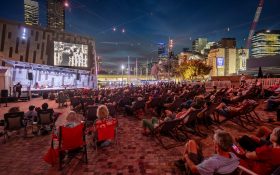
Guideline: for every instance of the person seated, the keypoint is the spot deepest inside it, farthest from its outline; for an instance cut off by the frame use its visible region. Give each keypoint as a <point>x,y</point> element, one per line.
<point>265,159</point>
<point>102,117</point>
<point>273,102</point>
<point>14,110</point>
<point>129,109</point>
<point>52,95</point>
<point>224,109</point>
<point>251,143</point>
<point>31,114</point>
<point>222,162</point>
<point>154,122</point>
<point>45,107</point>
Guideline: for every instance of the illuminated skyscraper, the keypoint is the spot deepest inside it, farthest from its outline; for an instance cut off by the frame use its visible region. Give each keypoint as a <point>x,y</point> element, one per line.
<point>199,44</point>
<point>266,43</point>
<point>56,14</point>
<point>31,12</point>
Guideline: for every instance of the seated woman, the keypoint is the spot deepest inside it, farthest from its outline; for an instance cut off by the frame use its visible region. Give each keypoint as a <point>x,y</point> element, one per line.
<point>265,159</point>
<point>103,119</point>
<point>224,109</point>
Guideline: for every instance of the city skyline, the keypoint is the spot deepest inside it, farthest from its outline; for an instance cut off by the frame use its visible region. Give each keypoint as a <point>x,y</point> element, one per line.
<point>123,28</point>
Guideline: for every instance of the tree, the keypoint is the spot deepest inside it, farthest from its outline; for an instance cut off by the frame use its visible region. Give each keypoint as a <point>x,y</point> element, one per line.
<point>193,69</point>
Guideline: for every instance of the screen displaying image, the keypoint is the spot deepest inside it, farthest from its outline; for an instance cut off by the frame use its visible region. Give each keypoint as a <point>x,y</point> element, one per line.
<point>69,54</point>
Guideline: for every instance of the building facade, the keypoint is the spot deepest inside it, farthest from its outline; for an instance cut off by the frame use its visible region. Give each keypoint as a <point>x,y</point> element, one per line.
<point>227,43</point>
<point>31,12</point>
<point>199,44</point>
<point>266,43</point>
<point>226,61</point>
<point>56,14</point>
<point>35,44</point>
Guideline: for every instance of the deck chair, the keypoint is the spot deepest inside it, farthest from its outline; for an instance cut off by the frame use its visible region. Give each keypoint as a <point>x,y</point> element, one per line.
<point>13,122</point>
<point>71,142</point>
<point>189,124</point>
<point>91,115</point>
<point>242,170</point>
<point>169,128</point>
<point>45,118</point>
<point>112,110</point>
<point>238,118</point>
<point>106,130</point>
<point>175,105</point>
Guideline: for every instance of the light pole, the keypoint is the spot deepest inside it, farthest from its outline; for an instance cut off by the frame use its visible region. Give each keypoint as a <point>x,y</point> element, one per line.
<point>122,73</point>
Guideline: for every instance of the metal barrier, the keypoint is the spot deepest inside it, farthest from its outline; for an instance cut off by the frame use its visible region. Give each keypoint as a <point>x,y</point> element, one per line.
<point>266,82</point>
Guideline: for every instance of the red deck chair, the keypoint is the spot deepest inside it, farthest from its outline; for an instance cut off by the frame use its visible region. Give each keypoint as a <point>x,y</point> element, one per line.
<point>106,130</point>
<point>71,139</point>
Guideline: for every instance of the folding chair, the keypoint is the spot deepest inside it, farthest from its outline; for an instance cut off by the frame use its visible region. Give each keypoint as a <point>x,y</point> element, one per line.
<point>45,118</point>
<point>106,130</point>
<point>242,170</point>
<point>91,115</point>
<point>13,122</point>
<point>71,142</point>
<point>169,128</point>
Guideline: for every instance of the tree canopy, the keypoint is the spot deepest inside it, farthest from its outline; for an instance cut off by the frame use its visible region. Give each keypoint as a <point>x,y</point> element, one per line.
<point>193,69</point>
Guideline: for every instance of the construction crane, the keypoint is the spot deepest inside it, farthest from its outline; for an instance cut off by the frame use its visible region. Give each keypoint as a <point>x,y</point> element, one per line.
<point>254,24</point>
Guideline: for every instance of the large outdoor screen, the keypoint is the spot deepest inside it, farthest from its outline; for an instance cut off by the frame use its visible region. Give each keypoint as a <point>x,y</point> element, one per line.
<point>69,54</point>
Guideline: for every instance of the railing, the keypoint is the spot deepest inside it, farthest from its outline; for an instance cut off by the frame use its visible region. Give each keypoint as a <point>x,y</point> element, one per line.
<point>266,82</point>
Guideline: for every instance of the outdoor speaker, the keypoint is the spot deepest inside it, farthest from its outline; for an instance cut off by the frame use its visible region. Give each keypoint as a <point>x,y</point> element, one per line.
<point>78,76</point>
<point>30,76</point>
<point>4,93</point>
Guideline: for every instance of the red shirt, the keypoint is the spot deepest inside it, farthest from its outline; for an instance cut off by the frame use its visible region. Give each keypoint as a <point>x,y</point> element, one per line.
<point>268,160</point>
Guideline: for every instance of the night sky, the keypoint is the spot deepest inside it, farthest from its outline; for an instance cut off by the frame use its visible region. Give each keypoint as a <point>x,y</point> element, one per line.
<point>148,22</point>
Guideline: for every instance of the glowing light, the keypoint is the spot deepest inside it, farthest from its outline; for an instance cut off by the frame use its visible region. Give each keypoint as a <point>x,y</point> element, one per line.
<point>24,34</point>
<point>122,67</point>
<point>267,31</point>
<point>66,4</point>
<point>114,29</point>
<point>123,30</point>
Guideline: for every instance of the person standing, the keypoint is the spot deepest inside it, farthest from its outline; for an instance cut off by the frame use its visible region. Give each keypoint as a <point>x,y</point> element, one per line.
<point>18,89</point>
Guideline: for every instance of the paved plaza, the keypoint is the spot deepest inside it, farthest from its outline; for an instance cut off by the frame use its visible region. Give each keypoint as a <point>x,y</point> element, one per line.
<point>135,154</point>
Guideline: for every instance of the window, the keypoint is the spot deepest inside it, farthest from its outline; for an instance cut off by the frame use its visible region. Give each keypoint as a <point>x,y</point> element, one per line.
<point>17,43</point>
<point>9,35</point>
<point>36,36</point>
<point>11,52</point>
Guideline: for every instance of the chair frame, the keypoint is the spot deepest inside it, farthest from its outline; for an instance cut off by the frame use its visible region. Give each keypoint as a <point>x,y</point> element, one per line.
<point>6,123</point>
<point>60,151</point>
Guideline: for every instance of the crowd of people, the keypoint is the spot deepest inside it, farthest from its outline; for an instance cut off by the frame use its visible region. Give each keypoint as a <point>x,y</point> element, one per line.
<point>177,101</point>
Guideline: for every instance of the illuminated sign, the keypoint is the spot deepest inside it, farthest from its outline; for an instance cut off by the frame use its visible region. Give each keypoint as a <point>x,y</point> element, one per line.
<point>220,62</point>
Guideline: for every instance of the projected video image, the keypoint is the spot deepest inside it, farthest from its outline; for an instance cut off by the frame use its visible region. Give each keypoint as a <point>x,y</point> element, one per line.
<point>69,54</point>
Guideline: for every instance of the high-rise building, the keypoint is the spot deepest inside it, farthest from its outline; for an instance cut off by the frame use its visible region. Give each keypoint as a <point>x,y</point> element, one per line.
<point>31,12</point>
<point>199,44</point>
<point>227,43</point>
<point>56,14</point>
<point>266,43</point>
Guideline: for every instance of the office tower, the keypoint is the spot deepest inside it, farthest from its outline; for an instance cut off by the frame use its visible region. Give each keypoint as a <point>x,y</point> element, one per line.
<point>56,14</point>
<point>266,43</point>
<point>31,12</point>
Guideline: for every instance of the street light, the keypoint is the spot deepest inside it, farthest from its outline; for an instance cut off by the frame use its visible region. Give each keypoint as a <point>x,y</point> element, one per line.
<point>122,73</point>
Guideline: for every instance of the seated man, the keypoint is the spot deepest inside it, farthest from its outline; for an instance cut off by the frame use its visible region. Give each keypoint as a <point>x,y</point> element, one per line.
<point>266,158</point>
<point>273,102</point>
<point>223,162</point>
<point>224,109</point>
<point>31,114</point>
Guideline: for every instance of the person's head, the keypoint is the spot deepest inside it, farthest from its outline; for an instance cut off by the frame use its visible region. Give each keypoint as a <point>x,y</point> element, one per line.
<point>73,117</point>
<point>275,136</point>
<point>45,106</point>
<point>222,141</point>
<point>31,108</point>
<point>102,112</point>
<point>14,109</point>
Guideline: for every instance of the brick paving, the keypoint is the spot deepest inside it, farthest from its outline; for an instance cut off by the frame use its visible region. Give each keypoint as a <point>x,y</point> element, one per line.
<point>135,154</point>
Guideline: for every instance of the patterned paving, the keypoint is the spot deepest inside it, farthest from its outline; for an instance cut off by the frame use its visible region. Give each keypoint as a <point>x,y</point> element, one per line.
<point>135,154</point>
